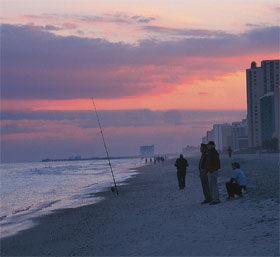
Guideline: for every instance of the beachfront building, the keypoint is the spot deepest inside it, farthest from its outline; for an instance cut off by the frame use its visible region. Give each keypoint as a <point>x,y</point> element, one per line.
<point>147,150</point>
<point>204,140</point>
<point>277,114</point>
<point>224,135</point>
<point>255,89</point>
<point>210,135</point>
<point>190,149</point>
<point>239,135</point>
<point>262,84</point>
<point>267,114</point>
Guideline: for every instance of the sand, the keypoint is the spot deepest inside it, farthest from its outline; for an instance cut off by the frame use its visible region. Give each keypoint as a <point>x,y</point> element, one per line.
<point>152,217</point>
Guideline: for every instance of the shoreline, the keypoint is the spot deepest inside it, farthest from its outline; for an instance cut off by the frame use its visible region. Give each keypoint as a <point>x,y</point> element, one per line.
<point>152,217</point>
<point>22,217</point>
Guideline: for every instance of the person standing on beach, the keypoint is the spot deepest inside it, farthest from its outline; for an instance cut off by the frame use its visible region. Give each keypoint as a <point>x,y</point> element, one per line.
<point>212,165</point>
<point>229,152</point>
<point>203,175</point>
<point>181,165</point>
<point>237,181</point>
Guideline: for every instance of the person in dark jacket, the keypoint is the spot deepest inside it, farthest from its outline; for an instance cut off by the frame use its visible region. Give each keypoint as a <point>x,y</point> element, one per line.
<point>203,175</point>
<point>212,165</point>
<point>181,164</point>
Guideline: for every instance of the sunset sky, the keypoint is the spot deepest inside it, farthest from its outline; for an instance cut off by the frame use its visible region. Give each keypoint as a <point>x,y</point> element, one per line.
<point>161,72</point>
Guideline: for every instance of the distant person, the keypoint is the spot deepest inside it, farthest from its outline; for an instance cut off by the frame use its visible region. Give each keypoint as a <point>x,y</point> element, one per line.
<point>181,165</point>
<point>237,182</point>
<point>203,175</point>
<point>212,166</point>
<point>229,152</point>
<point>158,159</point>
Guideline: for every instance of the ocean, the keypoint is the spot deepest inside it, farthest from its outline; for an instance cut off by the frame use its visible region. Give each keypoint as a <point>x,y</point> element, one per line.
<point>34,189</point>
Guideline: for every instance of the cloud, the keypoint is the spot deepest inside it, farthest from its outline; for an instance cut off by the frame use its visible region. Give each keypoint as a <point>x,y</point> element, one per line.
<point>51,28</point>
<point>118,18</point>
<point>124,118</point>
<point>145,20</point>
<point>37,64</point>
<point>35,135</point>
<point>194,33</point>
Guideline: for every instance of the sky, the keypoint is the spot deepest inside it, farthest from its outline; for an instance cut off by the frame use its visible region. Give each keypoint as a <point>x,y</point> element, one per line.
<point>160,72</point>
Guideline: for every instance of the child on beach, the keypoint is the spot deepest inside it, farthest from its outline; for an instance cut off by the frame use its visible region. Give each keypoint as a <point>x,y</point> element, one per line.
<point>237,181</point>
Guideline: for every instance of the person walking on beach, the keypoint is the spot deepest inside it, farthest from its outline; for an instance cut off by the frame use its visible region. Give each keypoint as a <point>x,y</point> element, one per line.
<point>229,152</point>
<point>203,175</point>
<point>181,165</point>
<point>237,182</point>
<point>212,165</point>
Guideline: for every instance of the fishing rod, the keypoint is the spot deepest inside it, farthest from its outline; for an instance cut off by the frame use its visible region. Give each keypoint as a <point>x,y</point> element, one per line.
<point>113,189</point>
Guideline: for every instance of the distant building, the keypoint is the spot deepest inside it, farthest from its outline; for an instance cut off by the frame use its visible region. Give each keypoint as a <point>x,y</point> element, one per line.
<point>204,140</point>
<point>239,135</point>
<point>190,149</point>
<point>226,136</point>
<point>210,135</point>
<point>242,143</point>
<point>147,150</point>
<point>267,115</point>
<point>222,135</point>
<point>254,79</point>
<point>277,114</point>
<point>260,81</point>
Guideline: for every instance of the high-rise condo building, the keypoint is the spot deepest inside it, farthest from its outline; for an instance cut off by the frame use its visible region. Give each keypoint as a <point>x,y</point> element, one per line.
<point>263,102</point>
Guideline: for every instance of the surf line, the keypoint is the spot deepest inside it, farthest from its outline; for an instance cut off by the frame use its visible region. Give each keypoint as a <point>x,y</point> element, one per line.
<point>114,189</point>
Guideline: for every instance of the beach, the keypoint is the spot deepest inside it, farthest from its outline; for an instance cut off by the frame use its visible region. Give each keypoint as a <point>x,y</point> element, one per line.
<point>152,217</point>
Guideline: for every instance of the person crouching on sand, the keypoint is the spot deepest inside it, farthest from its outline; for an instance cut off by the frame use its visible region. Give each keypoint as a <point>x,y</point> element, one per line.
<point>212,165</point>
<point>203,175</point>
<point>237,181</point>
<point>181,164</point>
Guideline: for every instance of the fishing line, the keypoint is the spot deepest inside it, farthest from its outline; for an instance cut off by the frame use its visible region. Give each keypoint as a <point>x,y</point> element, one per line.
<point>114,189</point>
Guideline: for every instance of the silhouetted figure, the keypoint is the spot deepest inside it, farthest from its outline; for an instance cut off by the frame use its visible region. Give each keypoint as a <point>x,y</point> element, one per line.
<point>237,181</point>
<point>229,152</point>
<point>203,175</point>
<point>181,164</point>
<point>212,165</point>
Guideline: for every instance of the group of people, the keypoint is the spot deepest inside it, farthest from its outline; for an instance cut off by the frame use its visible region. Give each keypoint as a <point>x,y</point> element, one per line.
<point>159,159</point>
<point>155,159</point>
<point>209,166</point>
